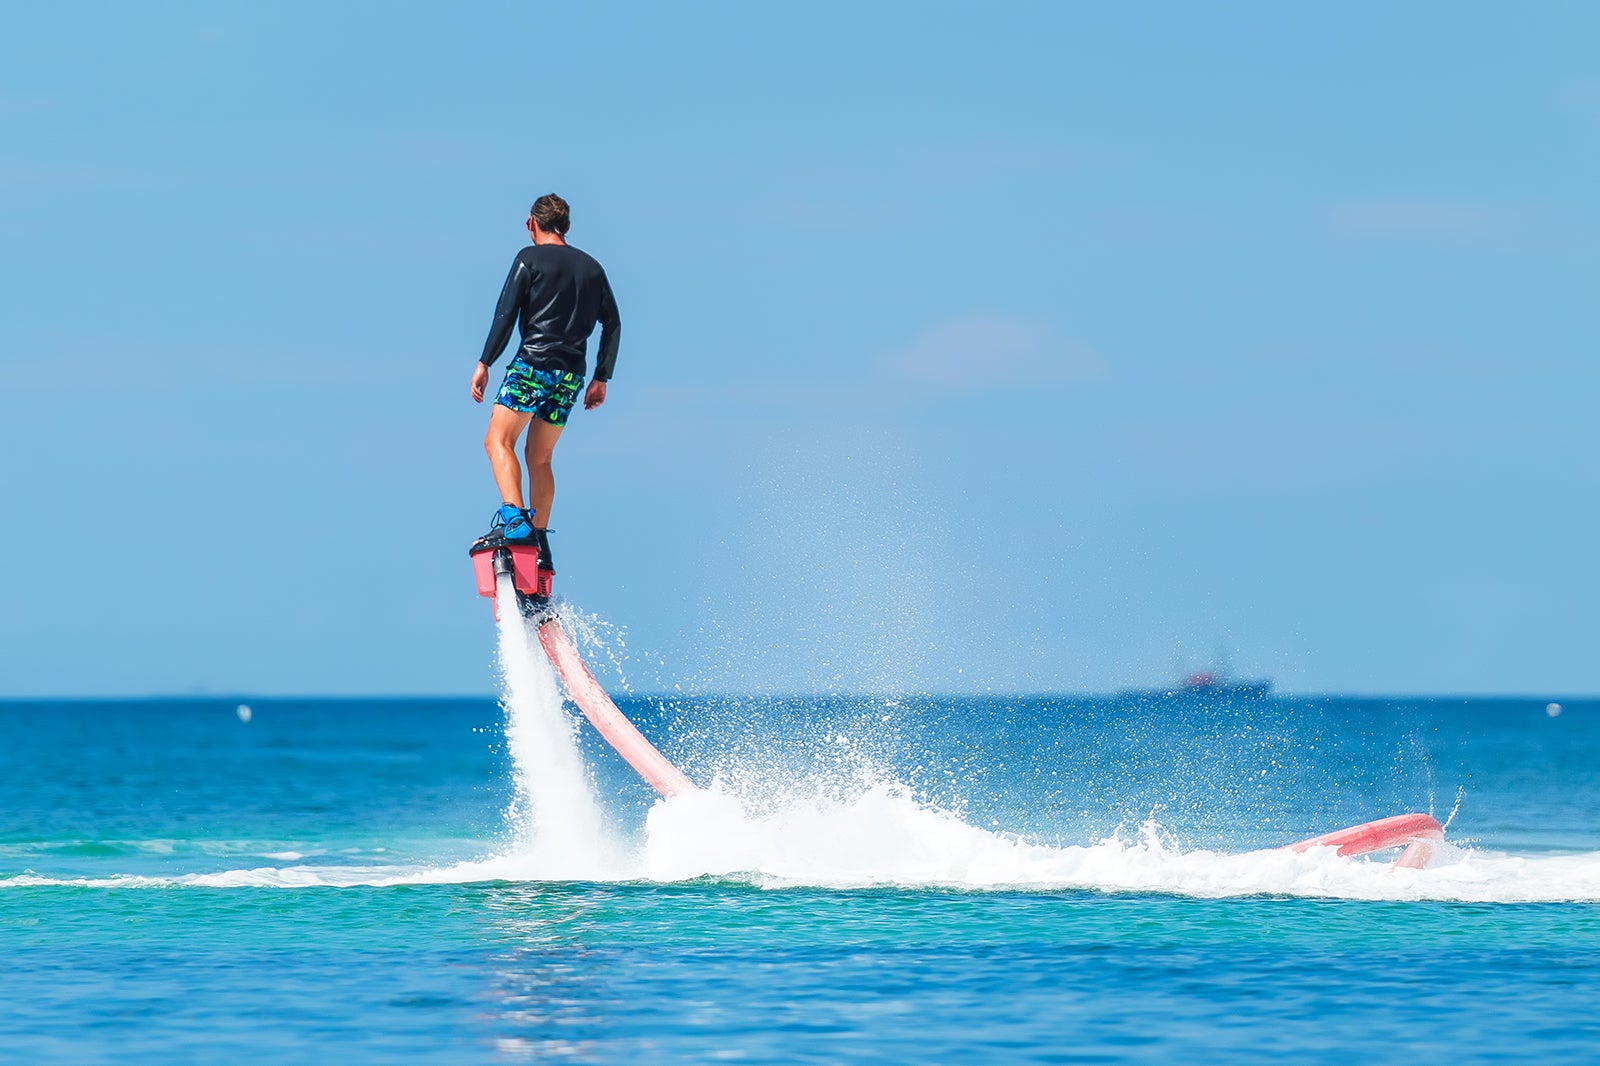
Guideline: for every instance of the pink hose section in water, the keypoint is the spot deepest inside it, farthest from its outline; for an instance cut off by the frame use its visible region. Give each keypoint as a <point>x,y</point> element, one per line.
<point>1415,832</point>
<point>603,714</point>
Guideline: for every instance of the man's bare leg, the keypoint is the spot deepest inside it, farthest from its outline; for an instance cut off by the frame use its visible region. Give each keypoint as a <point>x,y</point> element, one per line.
<point>542,437</point>
<point>505,426</point>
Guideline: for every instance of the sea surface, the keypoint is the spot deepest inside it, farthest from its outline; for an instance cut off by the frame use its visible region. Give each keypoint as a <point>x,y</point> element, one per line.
<point>913,878</point>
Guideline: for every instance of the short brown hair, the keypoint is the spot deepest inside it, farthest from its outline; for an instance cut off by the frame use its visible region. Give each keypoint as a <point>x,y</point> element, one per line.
<point>552,214</point>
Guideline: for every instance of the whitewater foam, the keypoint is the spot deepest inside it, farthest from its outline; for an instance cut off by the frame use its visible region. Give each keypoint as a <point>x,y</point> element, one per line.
<point>885,838</point>
<point>557,826</point>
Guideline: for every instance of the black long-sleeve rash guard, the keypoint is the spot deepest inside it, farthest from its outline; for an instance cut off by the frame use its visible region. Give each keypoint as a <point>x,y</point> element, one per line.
<point>555,294</point>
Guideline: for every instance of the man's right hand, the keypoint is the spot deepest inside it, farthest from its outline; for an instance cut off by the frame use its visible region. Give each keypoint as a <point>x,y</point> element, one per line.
<point>480,381</point>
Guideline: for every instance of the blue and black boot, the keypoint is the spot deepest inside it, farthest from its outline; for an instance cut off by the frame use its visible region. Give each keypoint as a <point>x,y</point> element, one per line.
<point>510,525</point>
<point>515,522</point>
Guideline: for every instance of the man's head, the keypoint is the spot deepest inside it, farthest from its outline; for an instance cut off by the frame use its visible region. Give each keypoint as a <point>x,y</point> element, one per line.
<point>551,214</point>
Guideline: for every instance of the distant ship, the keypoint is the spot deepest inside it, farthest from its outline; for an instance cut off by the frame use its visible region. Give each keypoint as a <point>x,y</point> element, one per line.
<point>1213,684</point>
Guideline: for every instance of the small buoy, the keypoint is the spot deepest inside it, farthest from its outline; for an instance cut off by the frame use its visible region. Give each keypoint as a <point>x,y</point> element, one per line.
<point>243,712</point>
<point>1552,709</point>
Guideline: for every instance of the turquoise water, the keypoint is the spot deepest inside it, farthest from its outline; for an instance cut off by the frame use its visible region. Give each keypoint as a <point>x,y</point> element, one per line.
<point>1029,879</point>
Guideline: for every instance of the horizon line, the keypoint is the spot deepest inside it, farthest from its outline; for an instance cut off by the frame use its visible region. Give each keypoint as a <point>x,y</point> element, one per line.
<point>441,697</point>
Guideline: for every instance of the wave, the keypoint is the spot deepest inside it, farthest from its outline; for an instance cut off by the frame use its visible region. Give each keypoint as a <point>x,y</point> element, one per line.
<point>883,838</point>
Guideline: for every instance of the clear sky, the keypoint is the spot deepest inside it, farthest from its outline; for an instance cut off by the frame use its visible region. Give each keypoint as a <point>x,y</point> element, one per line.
<point>965,347</point>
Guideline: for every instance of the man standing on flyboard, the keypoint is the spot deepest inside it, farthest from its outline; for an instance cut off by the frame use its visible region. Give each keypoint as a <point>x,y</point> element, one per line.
<point>555,294</point>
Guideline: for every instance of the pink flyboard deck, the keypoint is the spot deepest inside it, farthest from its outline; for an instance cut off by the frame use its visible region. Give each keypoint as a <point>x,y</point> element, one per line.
<point>527,573</point>
<point>596,706</point>
<point>1417,833</point>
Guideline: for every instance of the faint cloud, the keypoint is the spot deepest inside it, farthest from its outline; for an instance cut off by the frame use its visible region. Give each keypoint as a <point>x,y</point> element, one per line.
<point>864,183</point>
<point>54,178</point>
<point>1581,95</point>
<point>216,34</point>
<point>1419,217</point>
<point>27,105</point>
<point>995,349</point>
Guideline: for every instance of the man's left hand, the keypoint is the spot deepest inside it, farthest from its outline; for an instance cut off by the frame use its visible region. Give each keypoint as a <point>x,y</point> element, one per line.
<point>595,396</point>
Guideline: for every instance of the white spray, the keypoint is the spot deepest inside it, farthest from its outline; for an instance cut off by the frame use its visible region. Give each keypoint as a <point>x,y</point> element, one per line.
<point>556,821</point>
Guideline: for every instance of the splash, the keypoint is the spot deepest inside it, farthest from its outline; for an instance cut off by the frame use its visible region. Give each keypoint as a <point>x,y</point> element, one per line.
<point>557,826</point>
<point>885,839</point>
<point>875,833</point>
<point>763,831</point>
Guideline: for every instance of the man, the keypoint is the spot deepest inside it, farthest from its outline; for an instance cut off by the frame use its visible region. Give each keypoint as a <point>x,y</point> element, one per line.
<point>555,294</point>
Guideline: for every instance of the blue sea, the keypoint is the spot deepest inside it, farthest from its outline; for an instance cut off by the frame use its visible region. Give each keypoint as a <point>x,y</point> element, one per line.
<point>903,878</point>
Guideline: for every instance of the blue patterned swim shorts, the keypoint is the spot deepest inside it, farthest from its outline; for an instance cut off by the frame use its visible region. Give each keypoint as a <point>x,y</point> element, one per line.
<point>545,394</point>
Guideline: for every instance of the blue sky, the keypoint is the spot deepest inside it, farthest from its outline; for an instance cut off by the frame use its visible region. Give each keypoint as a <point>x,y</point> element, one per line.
<point>966,347</point>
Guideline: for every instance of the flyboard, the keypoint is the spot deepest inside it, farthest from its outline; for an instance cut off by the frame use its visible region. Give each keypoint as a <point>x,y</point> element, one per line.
<point>529,566</point>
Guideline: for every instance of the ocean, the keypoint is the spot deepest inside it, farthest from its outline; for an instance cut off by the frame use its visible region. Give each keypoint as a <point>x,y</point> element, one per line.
<point>900,878</point>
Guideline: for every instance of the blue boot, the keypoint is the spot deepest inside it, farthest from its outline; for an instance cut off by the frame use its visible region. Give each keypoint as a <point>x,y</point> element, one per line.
<point>512,523</point>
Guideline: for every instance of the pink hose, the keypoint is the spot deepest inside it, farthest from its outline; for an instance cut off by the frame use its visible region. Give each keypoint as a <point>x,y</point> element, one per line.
<point>596,706</point>
<point>1416,832</point>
